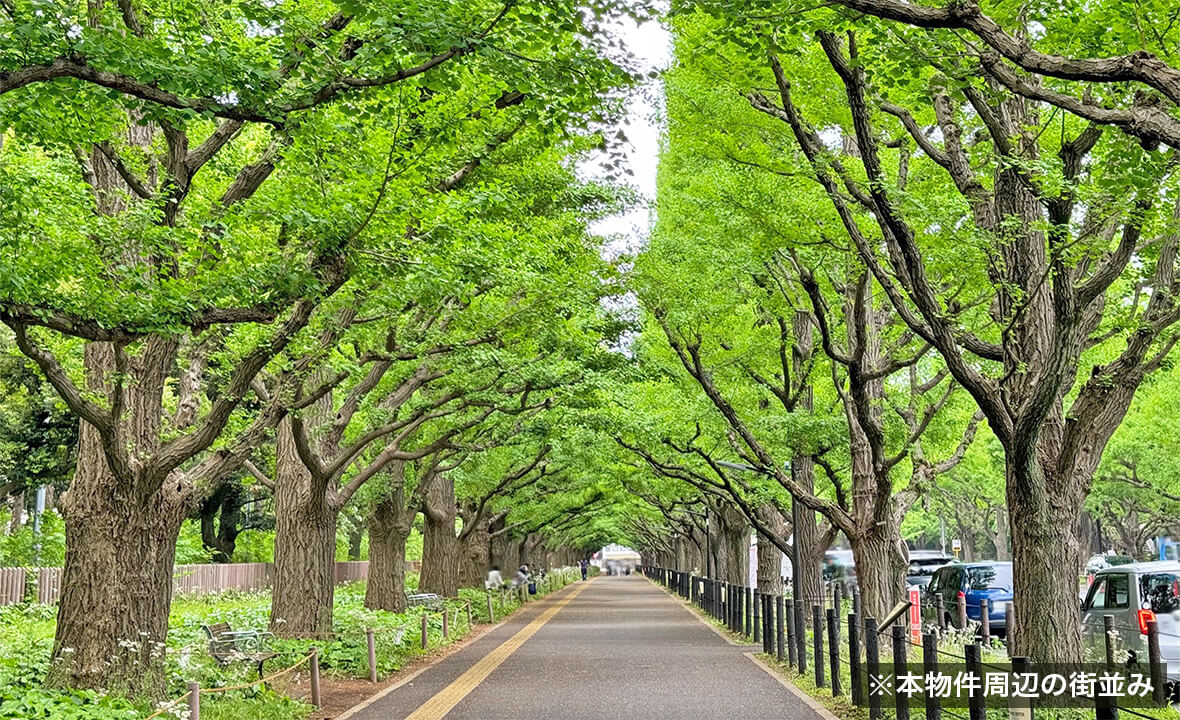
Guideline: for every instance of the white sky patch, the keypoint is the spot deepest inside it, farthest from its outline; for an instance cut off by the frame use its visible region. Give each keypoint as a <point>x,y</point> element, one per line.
<point>650,44</point>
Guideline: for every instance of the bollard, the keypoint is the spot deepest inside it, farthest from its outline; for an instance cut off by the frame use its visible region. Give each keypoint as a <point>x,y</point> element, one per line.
<point>446,613</point>
<point>873,664</point>
<point>778,627</point>
<point>753,597</point>
<point>975,702</point>
<point>371,642</point>
<point>834,648</point>
<point>941,611</point>
<point>315,676</point>
<point>789,609</point>
<point>768,624</point>
<point>817,638</point>
<point>491,612</point>
<point>962,611</point>
<point>801,636</point>
<point>1104,707</point>
<point>985,630</point>
<point>1022,708</point>
<point>425,632</point>
<point>1159,678</point>
<point>470,617</point>
<point>858,696</point>
<point>930,667</point>
<point>194,701</point>
<point>754,620</point>
<point>901,702</point>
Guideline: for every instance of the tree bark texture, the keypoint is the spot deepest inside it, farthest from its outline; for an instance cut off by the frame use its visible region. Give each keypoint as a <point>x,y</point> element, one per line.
<point>305,546</point>
<point>389,525</point>
<point>770,558</point>
<point>440,544</point>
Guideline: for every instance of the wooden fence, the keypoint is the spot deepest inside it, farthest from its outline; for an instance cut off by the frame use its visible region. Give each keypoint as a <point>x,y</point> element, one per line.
<point>187,579</point>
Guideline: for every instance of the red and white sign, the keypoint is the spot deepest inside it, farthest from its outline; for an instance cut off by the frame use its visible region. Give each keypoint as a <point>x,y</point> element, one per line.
<point>916,614</point>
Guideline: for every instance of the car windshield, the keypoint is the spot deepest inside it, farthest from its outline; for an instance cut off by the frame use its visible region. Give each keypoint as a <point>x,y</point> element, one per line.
<point>1161,591</point>
<point>990,577</point>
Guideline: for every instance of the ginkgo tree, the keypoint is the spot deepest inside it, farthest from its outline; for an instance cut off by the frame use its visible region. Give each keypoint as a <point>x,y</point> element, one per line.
<point>183,185</point>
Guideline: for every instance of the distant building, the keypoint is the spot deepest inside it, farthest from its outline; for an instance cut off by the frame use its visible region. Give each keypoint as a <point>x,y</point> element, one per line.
<point>616,559</point>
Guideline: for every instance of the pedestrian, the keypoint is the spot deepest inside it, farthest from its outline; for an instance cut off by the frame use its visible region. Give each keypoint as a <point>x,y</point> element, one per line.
<point>522,575</point>
<point>495,580</point>
<point>585,565</point>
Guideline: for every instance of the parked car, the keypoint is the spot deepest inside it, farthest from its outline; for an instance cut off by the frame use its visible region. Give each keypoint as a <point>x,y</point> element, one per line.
<point>1134,595</point>
<point>923,563</point>
<point>975,582</point>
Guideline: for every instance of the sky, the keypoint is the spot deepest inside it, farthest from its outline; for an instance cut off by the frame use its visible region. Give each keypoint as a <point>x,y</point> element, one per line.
<point>651,47</point>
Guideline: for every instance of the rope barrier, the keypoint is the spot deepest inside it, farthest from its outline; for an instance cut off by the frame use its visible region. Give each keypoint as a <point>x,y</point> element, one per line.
<point>268,678</point>
<point>169,706</point>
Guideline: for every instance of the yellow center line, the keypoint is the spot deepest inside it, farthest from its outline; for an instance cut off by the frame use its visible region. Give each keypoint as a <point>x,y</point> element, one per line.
<point>446,699</point>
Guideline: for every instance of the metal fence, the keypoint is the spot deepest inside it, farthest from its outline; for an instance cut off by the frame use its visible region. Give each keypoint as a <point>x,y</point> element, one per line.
<point>187,579</point>
<point>861,652</point>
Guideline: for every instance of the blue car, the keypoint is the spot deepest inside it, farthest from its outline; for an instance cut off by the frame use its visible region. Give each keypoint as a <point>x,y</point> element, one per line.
<point>975,582</point>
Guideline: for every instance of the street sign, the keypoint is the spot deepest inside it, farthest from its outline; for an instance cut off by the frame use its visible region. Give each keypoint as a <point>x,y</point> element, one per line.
<point>956,546</point>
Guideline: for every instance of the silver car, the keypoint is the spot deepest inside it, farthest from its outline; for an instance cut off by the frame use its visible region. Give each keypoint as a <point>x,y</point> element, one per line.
<point>1135,594</point>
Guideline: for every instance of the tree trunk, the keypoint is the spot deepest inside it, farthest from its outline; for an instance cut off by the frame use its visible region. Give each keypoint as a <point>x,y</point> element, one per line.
<point>881,564</point>
<point>356,539</point>
<point>1045,573</point>
<point>770,558</point>
<point>476,549</point>
<point>112,620</point>
<point>734,546</point>
<point>17,505</point>
<point>440,545</point>
<point>807,534</point>
<point>389,525</point>
<point>1002,535</point>
<point>221,519</point>
<point>305,546</point>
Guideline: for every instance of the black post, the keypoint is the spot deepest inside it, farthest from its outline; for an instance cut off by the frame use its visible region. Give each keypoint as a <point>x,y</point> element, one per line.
<point>753,630</point>
<point>768,624</point>
<point>834,649</point>
<point>778,627</point>
<point>858,695</point>
<point>930,667</point>
<point>1104,707</point>
<point>1159,680</point>
<point>941,611</point>
<point>801,633</point>
<point>817,637</point>
<point>976,709</point>
<point>872,665</point>
<point>901,702</point>
<point>1021,664</point>
<point>985,621</point>
<point>789,610</point>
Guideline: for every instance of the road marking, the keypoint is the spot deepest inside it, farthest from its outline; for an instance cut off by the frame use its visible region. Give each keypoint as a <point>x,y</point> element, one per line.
<point>446,699</point>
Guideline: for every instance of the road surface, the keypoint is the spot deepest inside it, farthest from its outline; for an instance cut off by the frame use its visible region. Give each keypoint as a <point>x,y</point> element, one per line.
<point>613,648</point>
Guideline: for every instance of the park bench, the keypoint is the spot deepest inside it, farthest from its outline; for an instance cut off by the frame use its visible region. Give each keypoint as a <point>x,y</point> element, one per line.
<point>430,600</point>
<point>227,645</point>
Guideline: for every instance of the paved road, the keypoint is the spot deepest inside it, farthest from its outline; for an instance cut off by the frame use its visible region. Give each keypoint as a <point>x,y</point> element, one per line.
<point>616,648</point>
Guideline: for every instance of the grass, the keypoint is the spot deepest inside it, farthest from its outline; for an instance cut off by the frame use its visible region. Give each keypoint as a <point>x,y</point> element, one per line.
<point>26,641</point>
